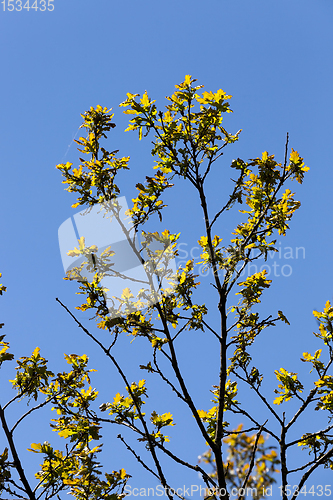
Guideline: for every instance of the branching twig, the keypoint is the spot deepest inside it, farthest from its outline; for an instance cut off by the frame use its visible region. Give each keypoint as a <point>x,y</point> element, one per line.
<point>263,399</point>
<point>167,381</point>
<point>137,456</point>
<point>128,385</point>
<point>16,459</point>
<point>30,411</point>
<point>255,446</point>
<point>246,414</point>
<point>319,462</point>
<point>324,431</point>
<point>310,398</point>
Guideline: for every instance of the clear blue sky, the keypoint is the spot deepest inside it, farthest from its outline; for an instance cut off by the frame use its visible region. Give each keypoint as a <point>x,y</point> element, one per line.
<point>274,57</point>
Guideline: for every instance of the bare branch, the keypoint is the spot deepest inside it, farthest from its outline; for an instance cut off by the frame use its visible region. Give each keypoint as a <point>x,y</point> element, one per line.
<point>137,456</point>
<point>28,413</point>
<point>246,414</point>
<point>263,399</point>
<point>319,462</point>
<point>286,153</point>
<point>255,446</point>
<point>16,459</point>
<point>166,380</point>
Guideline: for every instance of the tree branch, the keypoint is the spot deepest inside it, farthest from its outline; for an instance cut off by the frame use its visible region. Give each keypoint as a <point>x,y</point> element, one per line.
<point>322,460</point>
<point>128,385</point>
<point>255,446</point>
<point>17,462</point>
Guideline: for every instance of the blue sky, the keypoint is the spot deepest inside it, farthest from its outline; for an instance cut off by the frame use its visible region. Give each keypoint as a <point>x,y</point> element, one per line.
<point>275,58</point>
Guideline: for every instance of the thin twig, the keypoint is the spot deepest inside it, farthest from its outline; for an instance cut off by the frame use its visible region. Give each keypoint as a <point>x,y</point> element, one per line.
<point>28,413</point>
<point>159,371</point>
<point>321,461</point>
<point>286,153</point>
<point>230,201</point>
<point>137,456</point>
<point>246,414</point>
<point>252,460</point>
<point>12,492</point>
<point>263,399</point>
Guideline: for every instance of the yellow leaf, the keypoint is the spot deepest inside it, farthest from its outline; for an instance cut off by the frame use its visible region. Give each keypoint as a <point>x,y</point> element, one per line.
<point>294,156</point>
<point>216,240</point>
<point>167,117</point>
<point>77,171</point>
<point>327,306</point>
<point>322,330</point>
<point>71,481</point>
<point>36,352</point>
<point>93,248</point>
<point>203,241</point>
<point>122,473</point>
<point>127,294</point>
<point>189,265</point>
<point>182,278</point>
<point>35,447</point>
<point>187,80</point>
<point>74,253</point>
<point>145,100</point>
<point>307,356</point>
<point>82,243</point>
<point>64,433</point>
<point>117,398</point>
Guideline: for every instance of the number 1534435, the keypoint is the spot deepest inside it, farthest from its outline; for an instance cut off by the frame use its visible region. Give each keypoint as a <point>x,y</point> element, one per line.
<point>21,5</point>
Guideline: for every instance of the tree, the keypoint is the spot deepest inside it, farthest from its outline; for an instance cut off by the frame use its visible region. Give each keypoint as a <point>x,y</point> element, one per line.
<point>188,139</point>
